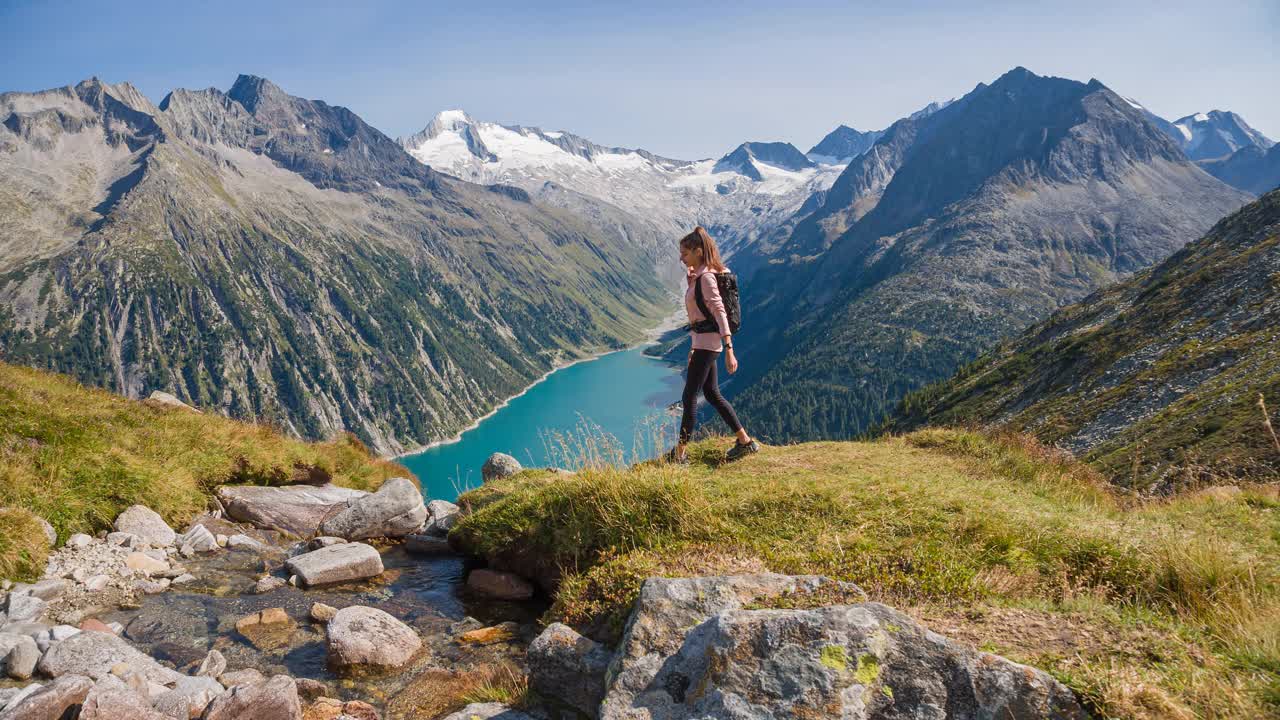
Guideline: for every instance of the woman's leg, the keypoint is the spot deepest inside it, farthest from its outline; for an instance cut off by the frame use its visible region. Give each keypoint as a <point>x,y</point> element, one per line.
<point>700,363</point>
<point>711,391</point>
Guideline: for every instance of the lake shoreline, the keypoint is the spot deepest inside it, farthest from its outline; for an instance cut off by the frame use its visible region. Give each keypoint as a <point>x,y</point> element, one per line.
<point>652,335</point>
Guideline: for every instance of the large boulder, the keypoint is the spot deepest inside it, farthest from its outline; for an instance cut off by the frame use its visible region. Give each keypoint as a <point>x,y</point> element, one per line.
<point>18,655</point>
<point>370,637</point>
<point>691,651</point>
<point>568,666</point>
<point>336,563</point>
<point>112,699</point>
<point>95,653</point>
<point>273,699</point>
<point>146,524</point>
<point>498,466</point>
<point>297,509</point>
<point>51,702</point>
<point>188,698</point>
<point>395,510</point>
<point>444,515</point>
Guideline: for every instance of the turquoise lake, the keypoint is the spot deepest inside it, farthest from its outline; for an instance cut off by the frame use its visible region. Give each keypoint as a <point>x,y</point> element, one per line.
<point>622,396</point>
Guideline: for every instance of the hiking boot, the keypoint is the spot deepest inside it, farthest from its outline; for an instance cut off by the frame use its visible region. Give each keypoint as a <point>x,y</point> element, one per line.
<point>671,457</point>
<point>738,450</point>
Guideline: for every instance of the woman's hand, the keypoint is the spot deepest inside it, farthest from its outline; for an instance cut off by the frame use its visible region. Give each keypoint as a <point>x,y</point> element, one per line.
<point>730,362</point>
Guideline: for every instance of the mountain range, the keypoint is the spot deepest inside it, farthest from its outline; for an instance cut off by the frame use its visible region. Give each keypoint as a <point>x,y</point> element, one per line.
<point>1155,379</point>
<point>278,258</point>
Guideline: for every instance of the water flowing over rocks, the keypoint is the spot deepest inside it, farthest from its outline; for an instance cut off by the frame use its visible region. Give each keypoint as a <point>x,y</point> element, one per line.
<point>395,510</point>
<point>297,509</point>
<point>498,466</point>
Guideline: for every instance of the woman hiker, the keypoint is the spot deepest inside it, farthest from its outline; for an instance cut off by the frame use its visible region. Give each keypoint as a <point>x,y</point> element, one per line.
<point>698,252</point>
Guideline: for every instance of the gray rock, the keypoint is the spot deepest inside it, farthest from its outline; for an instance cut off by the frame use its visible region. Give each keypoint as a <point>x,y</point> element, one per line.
<point>97,583</point>
<point>113,699</point>
<point>32,630</point>
<point>146,524</point>
<point>51,702</point>
<point>24,608</point>
<point>395,510</point>
<point>444,515</point>
<point>498,466</point>
<point>7,694</point>
<point>336,563</point>
<point>213,665</point>
<point>124,539</point>
<point>145,563</point>
<point>151,587</point>
<point>427,545</point>
<point>267,584</point>
<point>568,666</point>
<point>499,585</point>
<point>236,542</point>
<point>95,653</point>
<point>323,541</point>
<point>274,699</point>
<point>19,654</point>
<point>690,651</point>
<point>183,579</point>
<point>79,540</point>
<point>488,711</point>
<point>160,397</point>
<point>189,697</point>
<point>48,589</point>
<point>199,539</point>
<point>369,637</point>
<point>298,509</point>
<point>248,676</point>
<point>22,694</point>
<point>57,633</point>
<point>49,533</point>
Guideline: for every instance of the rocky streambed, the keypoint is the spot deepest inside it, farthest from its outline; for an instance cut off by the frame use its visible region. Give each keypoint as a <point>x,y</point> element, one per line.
<point>371,615</point>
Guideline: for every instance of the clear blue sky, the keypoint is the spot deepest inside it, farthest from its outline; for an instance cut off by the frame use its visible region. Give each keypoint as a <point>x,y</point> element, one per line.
<point>678,80</point>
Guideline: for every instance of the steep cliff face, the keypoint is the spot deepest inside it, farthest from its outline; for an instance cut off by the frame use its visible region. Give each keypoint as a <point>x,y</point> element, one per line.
<point>280,259</point>
<point>956,229</point>
<point>1155,379</point>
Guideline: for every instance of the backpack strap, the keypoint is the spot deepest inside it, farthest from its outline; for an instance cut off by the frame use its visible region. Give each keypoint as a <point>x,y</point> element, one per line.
<point>697,297</point>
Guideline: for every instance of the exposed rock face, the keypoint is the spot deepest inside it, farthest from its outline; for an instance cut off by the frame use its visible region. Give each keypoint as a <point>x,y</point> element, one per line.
<point>395,510</point>
<point>147,524</point>
<point>864,660</point>
<point>51,702</point>
<point>274,699</point>
<point>499,585</point>
<point>498,466</point>
<point>336,563</point>
<point>95,653</point>
<point>568,666</point>
<point>370,637</point>
<point>298,509</point>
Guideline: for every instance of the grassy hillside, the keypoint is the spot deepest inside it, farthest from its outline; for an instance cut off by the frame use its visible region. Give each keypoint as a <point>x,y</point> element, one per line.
<point>1149,610</point>
<point>1155,380</point>
<point>77,456</point>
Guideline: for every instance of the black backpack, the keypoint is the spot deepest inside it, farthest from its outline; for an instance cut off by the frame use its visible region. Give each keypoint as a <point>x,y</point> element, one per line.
<point>728,284</point>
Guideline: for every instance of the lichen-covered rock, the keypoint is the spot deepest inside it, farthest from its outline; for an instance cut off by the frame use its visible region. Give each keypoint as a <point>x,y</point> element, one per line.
<point>53,701</point>
<point>336,563</point>
<point>570,667</point>
<point>444,515</point>
<point>488,711</point>
<point>862,660</point>
<point>297,509</point>
<point>146,524</point>
<point>274,699</point>
<point>94,654</point>
<point>395,510</point>
<point>499,585</point>
<point>498,466</point>
<point>370,637</point>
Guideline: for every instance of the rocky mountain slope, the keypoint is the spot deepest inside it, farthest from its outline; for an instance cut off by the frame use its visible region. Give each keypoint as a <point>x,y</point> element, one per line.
<point>1250,169</point>
<point>278,258</point>
<point>956,229</point>
<point>1156,380</point>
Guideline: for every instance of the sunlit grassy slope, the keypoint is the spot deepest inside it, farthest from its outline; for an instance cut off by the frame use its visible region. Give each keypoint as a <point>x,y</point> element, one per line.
<point>77,456</point>
<point>1153,610</point>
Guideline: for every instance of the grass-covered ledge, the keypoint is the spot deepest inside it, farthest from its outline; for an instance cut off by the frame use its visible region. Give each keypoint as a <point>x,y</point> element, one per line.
<point>1170,604</point>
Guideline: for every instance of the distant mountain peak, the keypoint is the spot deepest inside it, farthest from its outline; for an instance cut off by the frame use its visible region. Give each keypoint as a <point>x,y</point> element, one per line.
<point>745,158</point>
<point>843,144</point>
<point>1216,134</point>
<point>253,92</point>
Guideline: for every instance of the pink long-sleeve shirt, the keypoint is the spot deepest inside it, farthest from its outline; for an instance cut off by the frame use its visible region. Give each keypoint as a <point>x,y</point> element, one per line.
<point>710,296</point>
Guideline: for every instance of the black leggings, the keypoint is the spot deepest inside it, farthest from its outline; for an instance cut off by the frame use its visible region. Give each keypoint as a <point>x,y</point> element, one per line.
<point>702,374</point>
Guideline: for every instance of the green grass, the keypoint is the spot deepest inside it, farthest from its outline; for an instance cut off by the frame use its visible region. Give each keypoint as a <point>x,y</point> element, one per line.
<point>1173,601</point>
<point>77,456</point>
